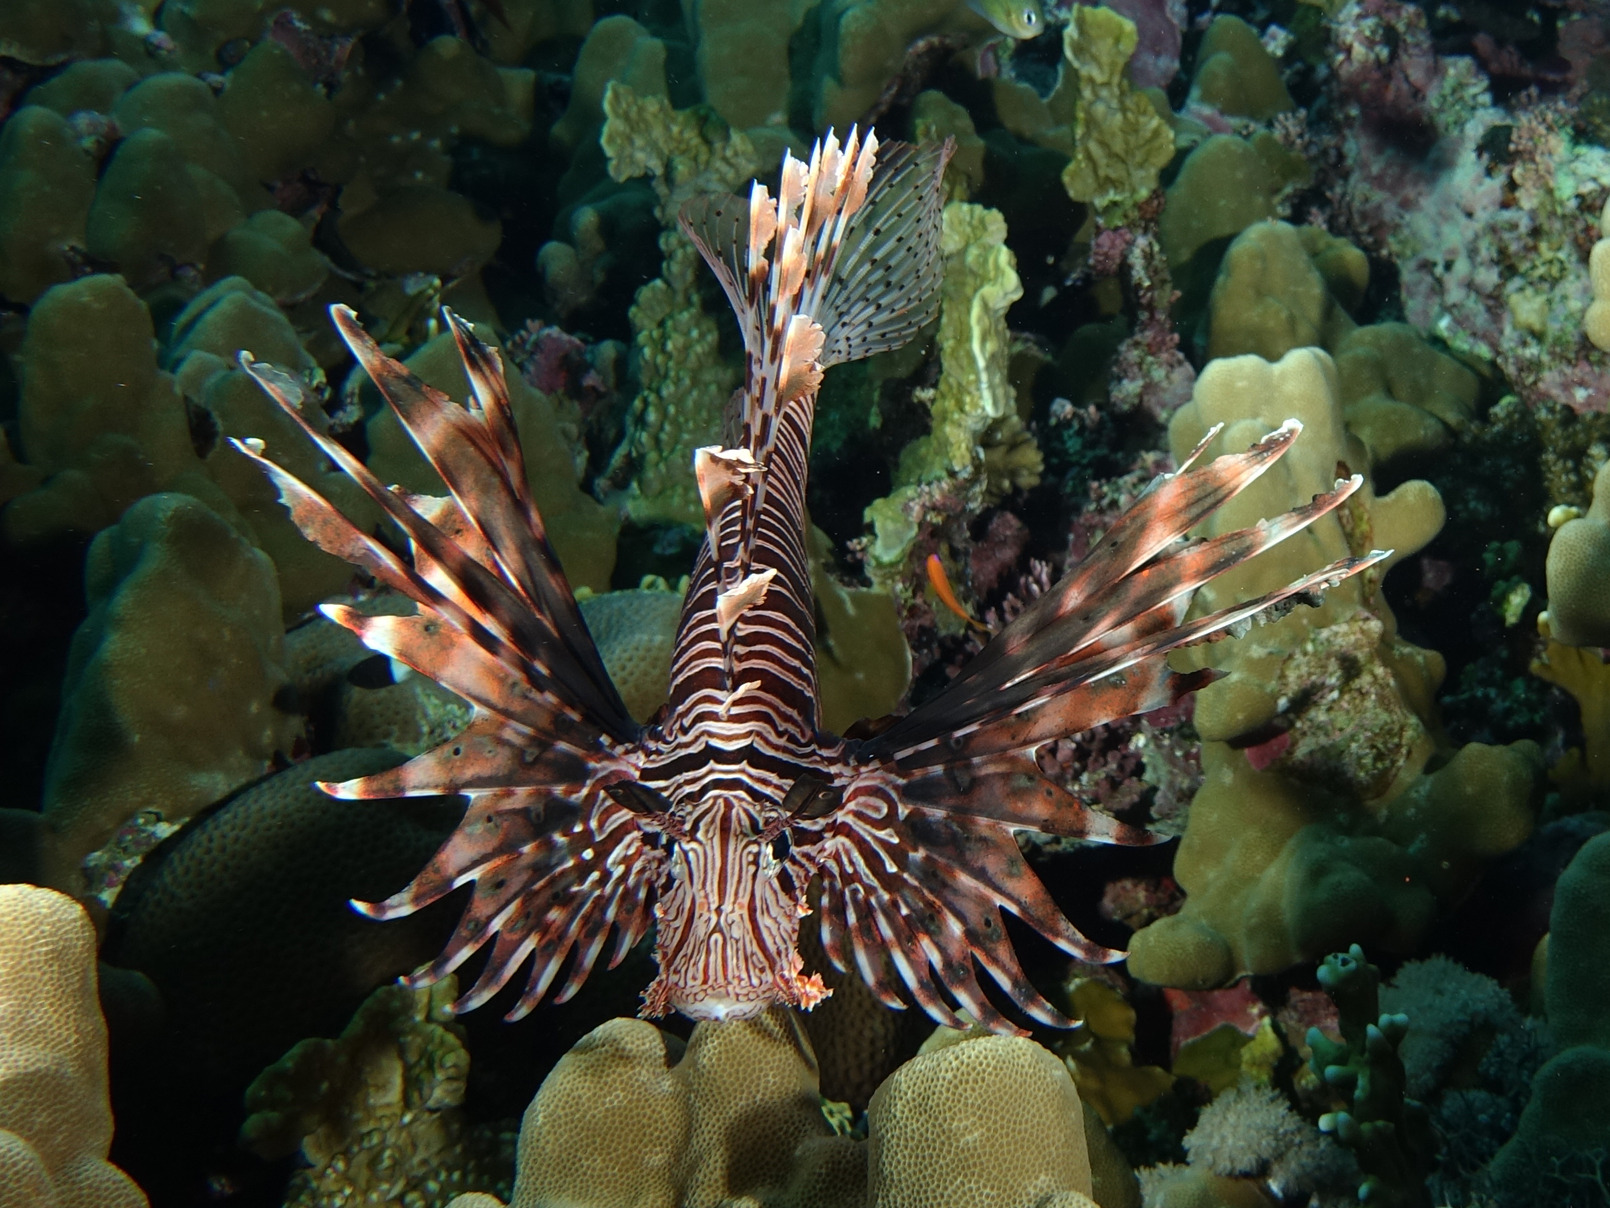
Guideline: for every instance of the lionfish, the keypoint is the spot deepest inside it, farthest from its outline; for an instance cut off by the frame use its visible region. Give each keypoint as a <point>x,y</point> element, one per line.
<point>714,820</point>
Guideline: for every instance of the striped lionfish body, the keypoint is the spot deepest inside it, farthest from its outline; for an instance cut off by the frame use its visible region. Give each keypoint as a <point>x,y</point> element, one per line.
<point>714,820</point>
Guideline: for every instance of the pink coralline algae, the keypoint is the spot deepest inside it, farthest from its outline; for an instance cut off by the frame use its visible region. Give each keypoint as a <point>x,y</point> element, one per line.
<point>1149,371</point>
<point>1488,212</point>
<point>556,362</point>
<point>1198,1012</point>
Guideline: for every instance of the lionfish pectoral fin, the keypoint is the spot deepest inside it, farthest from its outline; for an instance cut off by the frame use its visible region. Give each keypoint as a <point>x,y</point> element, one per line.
<point>1091,648</point>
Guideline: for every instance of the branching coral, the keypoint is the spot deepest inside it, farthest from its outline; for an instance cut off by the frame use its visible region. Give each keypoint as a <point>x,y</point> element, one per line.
<point>1388,1131</point>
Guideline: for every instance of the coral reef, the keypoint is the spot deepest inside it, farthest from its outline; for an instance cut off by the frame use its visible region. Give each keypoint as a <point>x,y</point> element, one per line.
<point>55,1120</point>
<point>1388,219</point>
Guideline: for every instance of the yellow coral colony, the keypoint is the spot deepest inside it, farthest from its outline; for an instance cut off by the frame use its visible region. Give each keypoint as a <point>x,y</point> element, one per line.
<point>55,1116</point>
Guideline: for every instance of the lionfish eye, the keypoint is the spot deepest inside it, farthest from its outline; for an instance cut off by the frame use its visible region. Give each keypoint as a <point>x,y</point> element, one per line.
<point>809,797</point>
<point>636,796</point>
<point>780,846</point>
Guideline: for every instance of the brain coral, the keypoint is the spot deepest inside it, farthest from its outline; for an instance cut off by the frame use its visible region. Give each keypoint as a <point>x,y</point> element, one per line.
<point>55,1118</point>
<point>243,924</point>
<point>627,1117</point>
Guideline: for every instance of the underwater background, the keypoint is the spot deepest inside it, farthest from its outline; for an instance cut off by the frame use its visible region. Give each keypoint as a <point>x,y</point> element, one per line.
<point>1370,957</point>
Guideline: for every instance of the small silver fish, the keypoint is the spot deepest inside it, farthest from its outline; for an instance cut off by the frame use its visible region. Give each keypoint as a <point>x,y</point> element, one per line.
<point>1015,18</point>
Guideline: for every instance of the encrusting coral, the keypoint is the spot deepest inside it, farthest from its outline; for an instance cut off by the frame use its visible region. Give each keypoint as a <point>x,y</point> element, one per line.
<point>55,1117</point>
<point>735,1118</point>
<point>375,1112</point>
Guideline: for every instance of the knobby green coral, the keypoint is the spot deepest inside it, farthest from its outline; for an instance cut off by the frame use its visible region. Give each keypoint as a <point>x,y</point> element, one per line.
<point>1389,1132</point>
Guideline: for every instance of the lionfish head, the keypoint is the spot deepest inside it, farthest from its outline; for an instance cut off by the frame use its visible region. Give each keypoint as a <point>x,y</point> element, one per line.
<point>731,896</point>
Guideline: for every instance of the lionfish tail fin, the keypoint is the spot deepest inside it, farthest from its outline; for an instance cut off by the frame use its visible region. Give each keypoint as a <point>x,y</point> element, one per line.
<point>843,263</point>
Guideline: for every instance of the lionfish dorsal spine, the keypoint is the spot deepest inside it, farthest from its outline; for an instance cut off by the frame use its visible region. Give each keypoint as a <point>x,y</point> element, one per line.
<point>863,209</point>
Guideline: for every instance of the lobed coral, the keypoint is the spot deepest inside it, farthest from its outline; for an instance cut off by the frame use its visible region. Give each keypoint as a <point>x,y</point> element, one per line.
<point>735,1117</point>
<point>55,1117</point>
<point>1318,820</point>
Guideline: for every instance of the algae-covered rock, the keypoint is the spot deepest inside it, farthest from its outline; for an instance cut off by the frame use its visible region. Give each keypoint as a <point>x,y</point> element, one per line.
<point>375,1112</point>
<point>172,694</point>
<point>47,182</point>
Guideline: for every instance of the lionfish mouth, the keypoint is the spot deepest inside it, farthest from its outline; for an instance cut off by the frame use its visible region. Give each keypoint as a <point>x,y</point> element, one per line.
<point>565,844</point>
